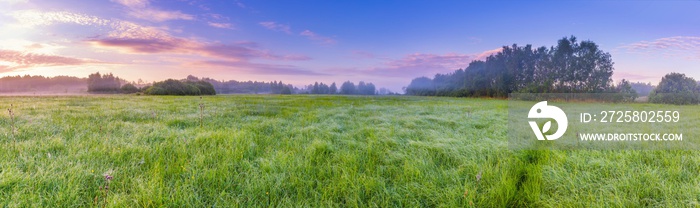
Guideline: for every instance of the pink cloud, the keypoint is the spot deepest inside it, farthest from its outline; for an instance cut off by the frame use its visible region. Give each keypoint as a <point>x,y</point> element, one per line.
<point>276,27</point>
<point>4,68</point>
<point>315,37</point>
<point>420,64</point>
<point>679,46</point>
<point>485,54</point>
<point>414,64</point>
<point>133,3</point>
<point>24,60</point>
<point>231,52</point>
<point>133,38</point>
<point>142,10</point>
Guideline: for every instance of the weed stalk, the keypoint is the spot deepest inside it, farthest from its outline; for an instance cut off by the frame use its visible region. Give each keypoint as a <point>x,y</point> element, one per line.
<point>12,120</point>
<point>201,112</point>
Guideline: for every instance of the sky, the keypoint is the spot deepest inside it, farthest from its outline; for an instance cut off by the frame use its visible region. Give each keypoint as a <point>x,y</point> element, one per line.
<point>386,42</point>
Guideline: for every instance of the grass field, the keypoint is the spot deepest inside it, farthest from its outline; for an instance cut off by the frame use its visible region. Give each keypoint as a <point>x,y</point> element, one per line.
<point>300,151</point>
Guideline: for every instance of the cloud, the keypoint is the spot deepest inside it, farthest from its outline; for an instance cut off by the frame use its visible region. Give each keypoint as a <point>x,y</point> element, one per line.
<point>419,64</point>
<point>18,60</point>
<point>276,27</point>
<point>363,55</point>
<point>485,54</point>
<point>306,33</point>
<point>204,7</point>
<point>159,15</point>
<point>220,25</point>
<point>241,5</point>
<point>4,68</point>
<point>679,46</point>
<point>216,16</point>
<point>175,45</point>
<point>295,58</point>
<point>133,38</point>
<point>256,68</point>
<point>315,37</point>
<point>431,63</point>
<point>133,3</point>
<point>11,2</point>
<point>141,9</point>
<point>636,76</point>
<point>31,18</point>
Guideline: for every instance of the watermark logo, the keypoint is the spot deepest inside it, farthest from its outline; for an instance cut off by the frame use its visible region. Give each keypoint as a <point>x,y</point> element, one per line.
<point>542,110</point>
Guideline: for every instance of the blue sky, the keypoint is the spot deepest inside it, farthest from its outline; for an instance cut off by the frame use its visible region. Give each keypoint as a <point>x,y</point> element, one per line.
<point>300,42</point>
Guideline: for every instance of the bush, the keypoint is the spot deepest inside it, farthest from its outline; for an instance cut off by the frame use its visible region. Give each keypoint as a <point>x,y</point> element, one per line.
<point>675,88</point>
<point>286,91</point>
<point>175,87</point>
<point>683,98</point>
<point>155,90</point>
<point>129,88</point>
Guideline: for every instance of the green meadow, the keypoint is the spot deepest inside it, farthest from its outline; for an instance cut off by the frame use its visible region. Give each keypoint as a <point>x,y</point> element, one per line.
<point>310,151</point>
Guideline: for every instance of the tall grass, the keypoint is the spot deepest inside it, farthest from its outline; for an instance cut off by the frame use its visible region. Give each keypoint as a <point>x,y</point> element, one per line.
<point>299,151</point>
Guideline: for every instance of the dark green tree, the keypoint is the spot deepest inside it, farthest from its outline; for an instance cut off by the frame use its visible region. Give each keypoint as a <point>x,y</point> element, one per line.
<point>315,89</point>
<point>129,88</point>
<point>333,89</point>
<point>175,87</point>
<point>347,88</point>
<point>625,90</point>
<point>286,91</point>
<point>421,86</point>
<point>103,83</point>
<point>675,88</point>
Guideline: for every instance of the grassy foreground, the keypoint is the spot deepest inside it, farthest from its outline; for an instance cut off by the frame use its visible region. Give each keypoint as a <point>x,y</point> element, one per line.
<point>298,151</point>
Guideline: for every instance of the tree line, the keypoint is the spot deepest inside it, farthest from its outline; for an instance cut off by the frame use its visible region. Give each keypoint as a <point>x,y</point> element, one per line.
<point>346,88</point>
<point>247,87</point>
<point>206,86</point>
<point>569,67</point>
<point>27,83</point>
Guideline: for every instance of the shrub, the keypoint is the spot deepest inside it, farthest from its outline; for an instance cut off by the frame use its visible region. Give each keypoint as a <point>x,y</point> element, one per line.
<point>129,88</point>
<point>675,88</point>
<point>175,87</point>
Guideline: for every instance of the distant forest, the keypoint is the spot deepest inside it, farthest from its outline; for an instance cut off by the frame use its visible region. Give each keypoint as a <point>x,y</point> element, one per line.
<point>568,67</point>
<point>278,87</point>
<point>108,83</point>
<point>643,89</point>
<point>41,84</point>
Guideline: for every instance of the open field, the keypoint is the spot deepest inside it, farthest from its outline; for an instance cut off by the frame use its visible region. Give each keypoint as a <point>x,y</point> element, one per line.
<point>297,151</point>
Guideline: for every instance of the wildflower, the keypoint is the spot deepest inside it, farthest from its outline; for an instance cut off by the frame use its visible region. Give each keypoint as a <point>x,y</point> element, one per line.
<point>478,177</point>
<point>108,177</point>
